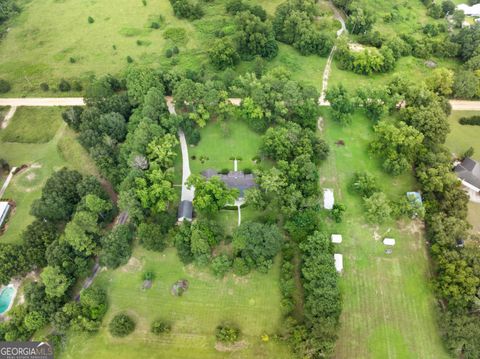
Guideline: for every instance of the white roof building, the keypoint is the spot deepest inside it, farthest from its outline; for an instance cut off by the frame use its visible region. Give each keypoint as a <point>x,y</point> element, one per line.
<point>338,262</point>
<point>328,199</point>
<point>4,208</point>
<point>473,10</point>
<point>389,241</point>
<point>336,238</point>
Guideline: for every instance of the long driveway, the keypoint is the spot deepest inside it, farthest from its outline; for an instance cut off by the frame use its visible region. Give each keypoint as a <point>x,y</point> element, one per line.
<point>42,101</point>
<point>188,193</point>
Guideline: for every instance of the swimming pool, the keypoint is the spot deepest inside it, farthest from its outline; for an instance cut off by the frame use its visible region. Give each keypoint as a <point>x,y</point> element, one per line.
<point>6,297</point>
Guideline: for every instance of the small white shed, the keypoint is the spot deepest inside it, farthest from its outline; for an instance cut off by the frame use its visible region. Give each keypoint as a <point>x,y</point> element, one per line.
<point>389,241</point>
<point>336,238</point>
<point>328,199</point>
<point>4,208</point>
<point>338,262</point>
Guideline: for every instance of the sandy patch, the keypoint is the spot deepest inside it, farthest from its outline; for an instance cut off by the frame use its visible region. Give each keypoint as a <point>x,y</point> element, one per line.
<point>354,47</point>
<point>133,265</point>
<point>222,347</point>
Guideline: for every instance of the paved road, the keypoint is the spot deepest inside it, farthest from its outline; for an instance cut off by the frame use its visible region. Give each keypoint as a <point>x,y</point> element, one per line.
<point>42,102</point>
<point>328,66</point>
<point>460,105</point>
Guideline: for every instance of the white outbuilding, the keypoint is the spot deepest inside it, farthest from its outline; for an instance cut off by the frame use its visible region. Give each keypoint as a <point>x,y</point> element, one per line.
<point>389,241</point>
<point>338,262</point>
<point>336,238</point>
<point>4,208</point>
<point>473,10</point>
<point>328,199</point>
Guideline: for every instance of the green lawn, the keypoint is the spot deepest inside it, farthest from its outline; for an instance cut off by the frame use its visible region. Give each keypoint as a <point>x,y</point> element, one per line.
<point>252,302</point>
<point>461,137</point>
<point>33,125</point>
<point>222,140</point>
<point>43,159</point>
<point>388,304</point>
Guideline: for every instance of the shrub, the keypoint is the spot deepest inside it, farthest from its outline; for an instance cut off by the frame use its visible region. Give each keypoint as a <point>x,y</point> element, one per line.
<point>364,184</point>
<point>148,275</point>
<point>473,121</point>
<point>129,59</point>
<point>240,267</point>
<point>44,86</point>
<point>337,212</point>
<point>155,25</point>
<point>247,171</point>
<point>227,334</point>
<point>160,326</point>
<point>64,85</point>
<point>121,325</point>
<point>169,53</point>
<point>4,86</point>
<point>144,2</point>
<point>139,42</point>
<point>224,171</point>
<point>91,20</point>
<point>221,265</point>
<point>72,60</point>
<point>77,86</point>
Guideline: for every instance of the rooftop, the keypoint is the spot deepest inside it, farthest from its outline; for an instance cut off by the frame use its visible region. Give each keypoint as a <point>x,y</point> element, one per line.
<point>469,171</point>
<point>234,179</point>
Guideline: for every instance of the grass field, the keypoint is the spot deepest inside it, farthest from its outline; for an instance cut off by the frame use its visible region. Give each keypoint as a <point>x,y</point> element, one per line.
<point>33,125</point>
<point>388,305</point>
<point>222,140</point>
<point>252,302</point>
<point>43,159</point>
<point>461,137</point>
<point>51,40</point>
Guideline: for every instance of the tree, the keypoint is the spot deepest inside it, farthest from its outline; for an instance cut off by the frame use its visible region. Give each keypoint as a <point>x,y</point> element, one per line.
<point>257,244</point>
<point>341,103</point>
<point>360,21</point>
<point>151,236</point>
<point>211,195</point>
<point>221,265</point>
<point>466,85</point>
<point>448,7</point>
<point>458,18</point>
<point>375,101</point>
<point>36,238</point>
<point>139,81</point>
<point>121,325</point>
<point>337,212</point>
<point>398,145</point>
<point>469,40</point>
<point>255,37</point>
<point>431,121</point>
<point>56,283</point>
<point>155,190</point>
<point>186,9</point>
<point>94,302</point>
<point>441,81</point>
<point>223,54</point>
<point>4,86</point>
<point>12,262</point>
<point>116,249</point>
<point>377,208</point>
<point>154,104</point>
<point>365,184</point>
<point>161,151</point>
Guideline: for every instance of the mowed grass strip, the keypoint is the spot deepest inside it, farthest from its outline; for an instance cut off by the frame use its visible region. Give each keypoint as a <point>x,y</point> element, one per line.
<point>462,137</point>
<point>32,125</point>
<point>388,306</point>
<point>252,302</point>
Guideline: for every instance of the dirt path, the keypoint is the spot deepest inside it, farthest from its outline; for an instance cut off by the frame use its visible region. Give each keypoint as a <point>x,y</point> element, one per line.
<point>42,102</point>
<point>328,66</point>
<point>7,181</point>
<point>9,116</point>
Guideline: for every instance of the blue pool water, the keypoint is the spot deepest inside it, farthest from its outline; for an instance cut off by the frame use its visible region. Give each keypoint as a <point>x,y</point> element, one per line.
<point>6,297</point>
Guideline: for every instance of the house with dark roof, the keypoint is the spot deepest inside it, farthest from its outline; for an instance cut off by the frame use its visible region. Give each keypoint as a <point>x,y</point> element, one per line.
<point>234,179</point>
<point>185,211</point>
<point>468,171</point>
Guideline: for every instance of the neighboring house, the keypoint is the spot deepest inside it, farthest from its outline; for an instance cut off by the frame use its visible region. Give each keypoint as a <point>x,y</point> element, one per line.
<point>4,209</point>
<point>185,211</point>
<point>468,171</point>
<point>234,179</point>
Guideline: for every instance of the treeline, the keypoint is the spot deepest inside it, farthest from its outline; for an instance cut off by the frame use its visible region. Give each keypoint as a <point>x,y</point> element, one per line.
<point>71,216</point>
<point>257,35</point>
<point>423,123</point>
<point>8,8</point>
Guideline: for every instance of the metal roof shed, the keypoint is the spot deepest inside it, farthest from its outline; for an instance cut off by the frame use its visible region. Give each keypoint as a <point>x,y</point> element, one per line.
<point>4,208</point>
<point>338,262</point>
<point>389,241</point>
<point>336,238</point>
